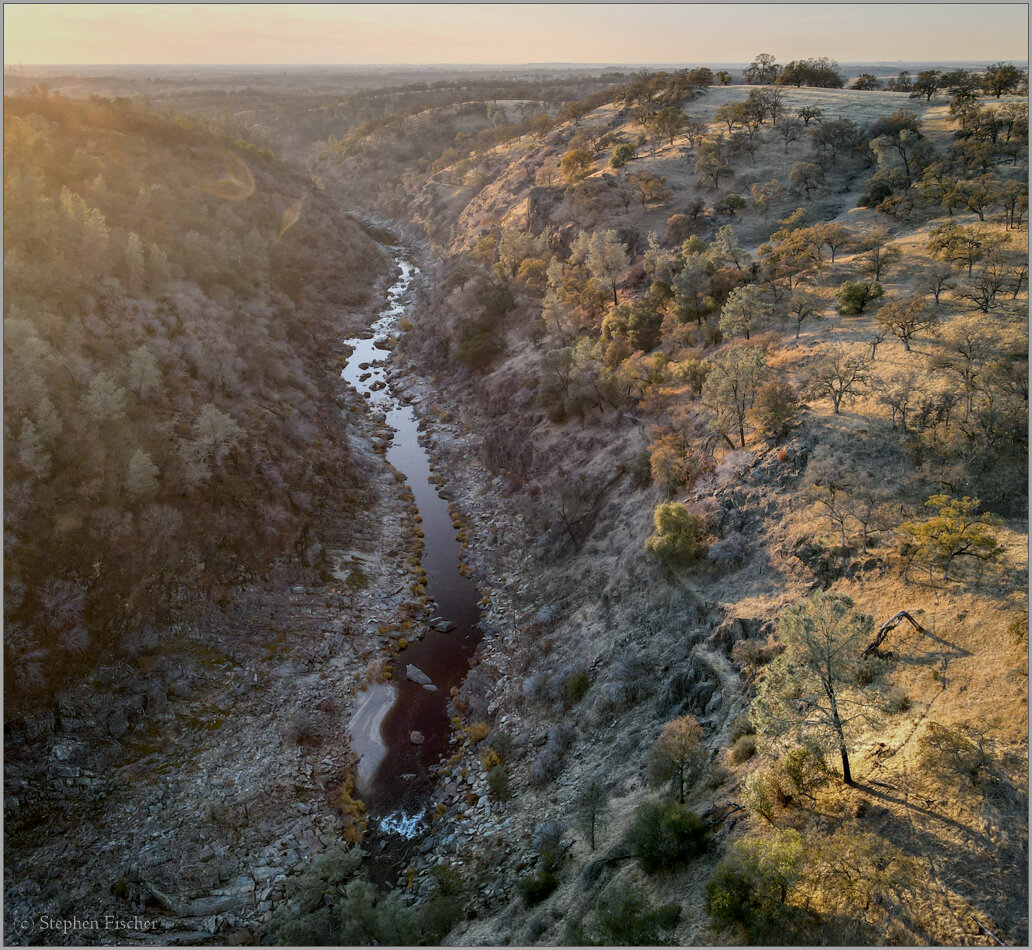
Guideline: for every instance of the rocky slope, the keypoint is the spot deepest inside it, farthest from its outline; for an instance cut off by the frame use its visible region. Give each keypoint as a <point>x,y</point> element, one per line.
<point>559,512</point>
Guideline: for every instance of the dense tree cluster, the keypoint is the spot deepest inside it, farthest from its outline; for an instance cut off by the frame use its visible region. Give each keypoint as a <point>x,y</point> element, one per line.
<point>166,293</point>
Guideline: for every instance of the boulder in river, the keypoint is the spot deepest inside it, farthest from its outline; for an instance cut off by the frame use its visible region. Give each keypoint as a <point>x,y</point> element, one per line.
<point>416,737</point>
<point>415,674</point>
<point>443,626</point>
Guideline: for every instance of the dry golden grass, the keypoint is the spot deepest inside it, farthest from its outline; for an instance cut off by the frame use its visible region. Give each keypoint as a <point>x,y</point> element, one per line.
<point>963,845</point>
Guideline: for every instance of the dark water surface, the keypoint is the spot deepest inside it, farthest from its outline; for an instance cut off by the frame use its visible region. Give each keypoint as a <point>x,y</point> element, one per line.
<point>397,791</point>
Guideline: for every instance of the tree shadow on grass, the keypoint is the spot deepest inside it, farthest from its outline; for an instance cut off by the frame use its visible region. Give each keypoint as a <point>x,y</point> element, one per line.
<point>922,654</point>
<point>991,876</point>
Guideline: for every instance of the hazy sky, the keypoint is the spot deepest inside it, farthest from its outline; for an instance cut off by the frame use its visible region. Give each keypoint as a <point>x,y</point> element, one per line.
<point>509,33</point>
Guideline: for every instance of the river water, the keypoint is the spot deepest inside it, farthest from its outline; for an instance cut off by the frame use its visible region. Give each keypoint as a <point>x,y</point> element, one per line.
<point>393,774</point>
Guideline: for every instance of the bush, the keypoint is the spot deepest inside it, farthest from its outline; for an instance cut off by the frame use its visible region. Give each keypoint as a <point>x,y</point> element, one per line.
<point>742,726</point>
<point>536,887</point>
<point>664,834</point>
<point>622,154</point>
<point>545,767</point>
<point>477,346</point>
<point>489,759</point>
<point>743,749</point>
<point>628,919</point>
<point>630,679</point>
<point>729,552</point>
<point>361,919</point>
<point>478,731</point>
<point>776,408</point>
<point>561,687</point>
<point>502,743</point>
<point>895,701</point>
<point>961,751</point>
<point>640,470</point>
<point>750,887</point>
<point>753,654</point>
<point>548,761</point>
<point>577,684</point>
<point>678,538</point>
<point>356,917</point>
<point>577,164</point>
<point>498,783</point>
<point>870,669</point>
<point>679,227</point>
<point>804,769</point>
<point>547,840</point>
<point>437,917</point>
<point>305,730</point>
<point>762,795</point>
<point>854,296</point>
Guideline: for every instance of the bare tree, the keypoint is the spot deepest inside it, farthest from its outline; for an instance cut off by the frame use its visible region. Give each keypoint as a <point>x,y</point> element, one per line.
<point>839,375</point>
<point>591,809</point>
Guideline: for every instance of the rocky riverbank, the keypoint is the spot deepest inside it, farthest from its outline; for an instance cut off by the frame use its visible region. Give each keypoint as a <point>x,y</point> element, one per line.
<point>185,787</point>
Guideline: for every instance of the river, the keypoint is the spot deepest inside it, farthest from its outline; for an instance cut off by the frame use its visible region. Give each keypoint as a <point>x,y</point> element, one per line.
<point>393,773</point>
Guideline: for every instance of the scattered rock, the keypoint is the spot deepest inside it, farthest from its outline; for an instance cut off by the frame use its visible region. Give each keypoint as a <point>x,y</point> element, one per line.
<point>416,737</point>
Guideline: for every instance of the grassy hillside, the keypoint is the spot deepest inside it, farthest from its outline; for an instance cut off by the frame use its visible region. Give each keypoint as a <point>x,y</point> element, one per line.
<point>716,374</point>
<point>169,424</point>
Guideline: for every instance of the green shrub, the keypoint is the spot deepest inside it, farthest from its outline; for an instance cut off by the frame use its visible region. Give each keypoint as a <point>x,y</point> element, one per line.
<point>477,345</point>
<point>627,919</point>
<point>437,917</point>
<point>751,885</point>
<point>964,750</point>
<point>640,469</point>
<point>362,919</point>
<point>678,538</point>
<point>501,742</point>
<point>665,833</point>
<point>498,783</point>
<point>742,725</point>
<point>870,669</point>
<point>622,154</point>
<point>324,875</point>
<point>576,686</point>
<point>356,917</point>
<point>803,769</point>
<point>576,935</point>
<point>536,887</point>
<point>854,296</point>
<point>729,896</point>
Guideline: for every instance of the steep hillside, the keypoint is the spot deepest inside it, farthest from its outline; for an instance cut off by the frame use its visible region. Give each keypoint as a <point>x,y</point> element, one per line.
<point>731,377</point>
<point>170,421</point>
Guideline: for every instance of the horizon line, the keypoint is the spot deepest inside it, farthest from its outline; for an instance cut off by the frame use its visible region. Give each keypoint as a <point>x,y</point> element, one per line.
<point>485,65</point>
